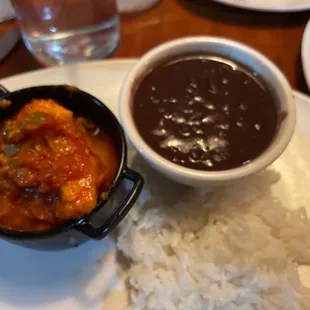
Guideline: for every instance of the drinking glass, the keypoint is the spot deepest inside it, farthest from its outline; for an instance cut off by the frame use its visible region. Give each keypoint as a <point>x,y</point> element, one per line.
<point>67,31</point>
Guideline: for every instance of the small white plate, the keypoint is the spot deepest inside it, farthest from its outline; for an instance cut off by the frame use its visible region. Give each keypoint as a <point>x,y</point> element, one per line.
<point>89,277</point>
<point>269,5</point>
<point>305,53</point>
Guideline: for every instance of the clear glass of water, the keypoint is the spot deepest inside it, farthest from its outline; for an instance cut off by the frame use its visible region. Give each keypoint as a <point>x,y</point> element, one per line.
<point>68,31</point>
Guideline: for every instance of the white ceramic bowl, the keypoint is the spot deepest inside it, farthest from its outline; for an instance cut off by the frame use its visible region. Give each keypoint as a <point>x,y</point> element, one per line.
<point>240,53</point>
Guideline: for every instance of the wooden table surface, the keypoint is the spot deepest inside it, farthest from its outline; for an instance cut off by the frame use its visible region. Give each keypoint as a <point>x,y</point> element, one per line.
<point>278,36</point>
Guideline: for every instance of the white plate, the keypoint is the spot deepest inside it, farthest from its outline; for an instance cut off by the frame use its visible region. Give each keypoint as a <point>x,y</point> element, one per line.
<point>269,5</point>
<point>305,53</point>
<point>82,278</point>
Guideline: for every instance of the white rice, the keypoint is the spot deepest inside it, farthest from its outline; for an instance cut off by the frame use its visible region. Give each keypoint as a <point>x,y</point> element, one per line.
<point>235,247</point>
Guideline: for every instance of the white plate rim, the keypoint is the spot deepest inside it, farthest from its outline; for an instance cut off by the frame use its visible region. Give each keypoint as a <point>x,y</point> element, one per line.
<point>99,63</point>
<point>119,62</point>
<point>305,53</point>
<point>272,6</point>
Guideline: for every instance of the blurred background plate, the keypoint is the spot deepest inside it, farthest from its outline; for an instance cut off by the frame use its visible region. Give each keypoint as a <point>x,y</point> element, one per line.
<point>269,5</point>
<point>305,53</point>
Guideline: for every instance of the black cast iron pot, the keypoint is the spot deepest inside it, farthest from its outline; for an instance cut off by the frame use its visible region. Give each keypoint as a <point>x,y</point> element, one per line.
<point>71,232</point>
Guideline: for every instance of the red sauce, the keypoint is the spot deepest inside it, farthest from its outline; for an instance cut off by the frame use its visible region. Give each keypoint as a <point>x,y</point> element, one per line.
<point>52,167</point>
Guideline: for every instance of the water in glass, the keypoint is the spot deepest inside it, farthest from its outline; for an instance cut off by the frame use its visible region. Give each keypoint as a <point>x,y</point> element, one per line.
<point>67,31</point>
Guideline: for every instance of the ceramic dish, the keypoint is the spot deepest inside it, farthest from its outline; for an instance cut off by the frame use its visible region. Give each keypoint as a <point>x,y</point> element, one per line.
<point>305,53</point>
<point>89,106</point>
<point>227,49</point>
<point>269,5</point>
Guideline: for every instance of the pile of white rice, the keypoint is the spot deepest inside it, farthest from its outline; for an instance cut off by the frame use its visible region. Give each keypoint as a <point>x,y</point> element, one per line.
<point>234,247</point>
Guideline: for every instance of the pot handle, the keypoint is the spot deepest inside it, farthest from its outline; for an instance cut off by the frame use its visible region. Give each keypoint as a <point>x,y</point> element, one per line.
<point>3,90</point>
<point>100,232</point>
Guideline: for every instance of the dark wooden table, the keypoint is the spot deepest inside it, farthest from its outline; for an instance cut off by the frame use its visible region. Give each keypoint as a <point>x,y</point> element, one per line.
<point>278,36</point>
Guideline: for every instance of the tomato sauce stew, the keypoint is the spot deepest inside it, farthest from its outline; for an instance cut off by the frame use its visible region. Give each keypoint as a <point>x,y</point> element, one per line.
<point>53,166</point>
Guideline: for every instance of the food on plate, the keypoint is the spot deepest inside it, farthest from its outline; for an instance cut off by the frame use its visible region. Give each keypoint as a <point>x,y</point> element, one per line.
<point>53,166</point>
<point>230,248</point>
<point>205,112</point>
